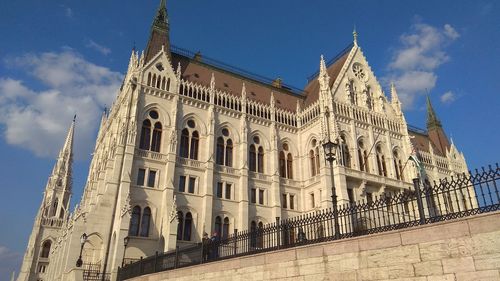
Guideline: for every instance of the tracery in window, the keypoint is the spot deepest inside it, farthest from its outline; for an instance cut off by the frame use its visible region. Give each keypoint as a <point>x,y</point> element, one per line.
<point>398,165</point>
<point>224,149</point>
<point>314,158</point>
<point>147,140</point>
<point>188,147</point>
<point>286,162</point>
<point>256,156</point>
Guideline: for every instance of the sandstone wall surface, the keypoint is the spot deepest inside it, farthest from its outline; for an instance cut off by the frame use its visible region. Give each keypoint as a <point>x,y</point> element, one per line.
<point>465,249</point>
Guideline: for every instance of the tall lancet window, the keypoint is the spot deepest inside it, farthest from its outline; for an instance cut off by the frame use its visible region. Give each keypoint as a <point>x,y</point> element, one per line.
<point>314,158</point>
<point>45,249</point>
<point>146,220</point>
<point>147,140</point>
<point>256,156</point>
<point>190,138</point>
<point>363,157</point>
<point>133,229</point>
<point>398,165</point>
<point>286,162</point>
<point>224,149</point>
<point>344,150</point>
<point>382,168</point>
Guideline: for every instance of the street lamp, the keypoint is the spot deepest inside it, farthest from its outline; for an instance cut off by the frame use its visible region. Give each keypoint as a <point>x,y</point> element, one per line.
<point>125,243</point>
<point>83,239</point>
<point>330,148</point>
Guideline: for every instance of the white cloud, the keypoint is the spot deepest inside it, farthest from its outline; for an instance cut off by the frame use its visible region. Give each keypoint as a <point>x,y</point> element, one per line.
<point>448,97</point>
<point>38,120</point>
<point>98,47</point>
<point>9,262</point>
<point>414,63</point>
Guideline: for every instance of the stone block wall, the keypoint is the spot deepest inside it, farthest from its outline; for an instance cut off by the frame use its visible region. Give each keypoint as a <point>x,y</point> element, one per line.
<point>465,249</point>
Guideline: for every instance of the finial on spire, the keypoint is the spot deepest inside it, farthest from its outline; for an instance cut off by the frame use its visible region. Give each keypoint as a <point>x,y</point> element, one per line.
<point>159,33</point>
<point>355,35</point>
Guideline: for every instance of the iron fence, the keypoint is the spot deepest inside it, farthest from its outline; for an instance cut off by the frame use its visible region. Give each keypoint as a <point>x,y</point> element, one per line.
<point>460,196</point>
<point>92,272</point>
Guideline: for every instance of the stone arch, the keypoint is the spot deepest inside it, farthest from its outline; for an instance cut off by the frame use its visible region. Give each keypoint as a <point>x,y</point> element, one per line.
<point>233,132</point>
<point>164,115</point>
<point>200,125</point>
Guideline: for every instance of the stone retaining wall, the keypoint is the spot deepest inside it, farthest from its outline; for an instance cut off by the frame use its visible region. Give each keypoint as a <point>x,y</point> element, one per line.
<point>466,249</point>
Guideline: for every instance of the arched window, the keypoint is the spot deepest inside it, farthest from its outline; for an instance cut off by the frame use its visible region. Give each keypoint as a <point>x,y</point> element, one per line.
<point>224,149</point>
<point>158,82</point>
<point>229,153</point>
<point>154,80</point>
<point>363,157</point>
<point>256,156</point>
<point>317,159</point>
<point>149,79</point>
<point>54,207</point>
<point>163,83</point>
<point>312,160</point>
<point>180,224</point>
<point>289,166</point>
<point>253,233</point>
<point>184,145</point>
<point>225,229</point>
<point>398,166</point>
<point>282,164</point>
<point>156,141</point>
<point>146,218</point>
<point>286,162</point>
<point>168,85</point>
<point>219,157</point>
<point>133,229</point>
<point>382,168</point>
<point>193,153</point>
<point>260,235</point>
<point>252,158</point>
<point>344,150</point>
<point>188,223</point>
<point>145,135</point>
<point>46,249</point>
<point>218,225</point>
<point>260,160</point>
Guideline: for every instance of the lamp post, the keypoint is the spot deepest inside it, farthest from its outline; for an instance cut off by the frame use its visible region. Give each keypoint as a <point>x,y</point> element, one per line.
<point>125,243</point>
<point>330,149</point>
<point>83,239</point>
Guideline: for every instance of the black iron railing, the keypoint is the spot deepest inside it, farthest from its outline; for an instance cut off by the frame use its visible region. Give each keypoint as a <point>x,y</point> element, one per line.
<point>92,272</point>
<point>459,196</point>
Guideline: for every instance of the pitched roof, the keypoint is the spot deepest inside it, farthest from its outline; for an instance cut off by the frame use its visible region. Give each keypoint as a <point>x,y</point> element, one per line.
<point>199,70</point>
<point>422,142</point>
<point>333,69</point>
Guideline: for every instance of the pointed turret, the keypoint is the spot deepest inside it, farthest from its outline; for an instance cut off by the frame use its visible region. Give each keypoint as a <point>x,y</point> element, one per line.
<point>355,36</point>
<point>323,78</point>
<point>159,33</point>
<point>432,120</point>
<point>395,98</point>
<point>435,129</point>
<point>52,214</point>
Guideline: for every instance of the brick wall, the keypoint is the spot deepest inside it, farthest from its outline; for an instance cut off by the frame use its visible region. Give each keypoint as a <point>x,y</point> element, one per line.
<point>466,249</point>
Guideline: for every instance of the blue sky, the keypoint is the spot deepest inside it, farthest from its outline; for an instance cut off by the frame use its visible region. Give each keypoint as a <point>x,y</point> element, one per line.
<point>58,58</point>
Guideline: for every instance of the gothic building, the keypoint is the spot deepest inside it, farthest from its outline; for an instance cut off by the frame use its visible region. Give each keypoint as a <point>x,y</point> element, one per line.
<point>192,146</point>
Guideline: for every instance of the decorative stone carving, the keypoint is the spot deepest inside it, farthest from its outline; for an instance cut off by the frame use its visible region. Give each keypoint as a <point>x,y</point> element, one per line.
<point>173,212</point>
<point>126,208</point>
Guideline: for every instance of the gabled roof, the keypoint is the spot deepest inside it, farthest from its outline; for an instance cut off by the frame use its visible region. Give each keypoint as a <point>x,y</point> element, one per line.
<point>334,66</point>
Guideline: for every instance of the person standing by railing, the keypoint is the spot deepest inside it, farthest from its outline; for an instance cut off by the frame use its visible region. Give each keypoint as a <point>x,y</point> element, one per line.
<point>214,245</point>
<point>206,246</point>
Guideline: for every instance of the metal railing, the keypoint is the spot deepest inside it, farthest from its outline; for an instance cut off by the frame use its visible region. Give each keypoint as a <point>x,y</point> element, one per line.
<point>92,272</point>
<point>460,196</point>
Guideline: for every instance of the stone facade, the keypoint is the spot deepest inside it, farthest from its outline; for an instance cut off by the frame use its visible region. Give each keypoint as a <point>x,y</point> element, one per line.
<point>461,250</point>
<point>189,147</point>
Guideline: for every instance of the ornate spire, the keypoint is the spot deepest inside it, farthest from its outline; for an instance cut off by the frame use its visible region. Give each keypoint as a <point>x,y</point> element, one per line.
<point>355,36</point>
<point>62,171</point>
<point>324,78</point>
<point>159,33</point>
<point>395,98</point>
<point>432,120</point>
